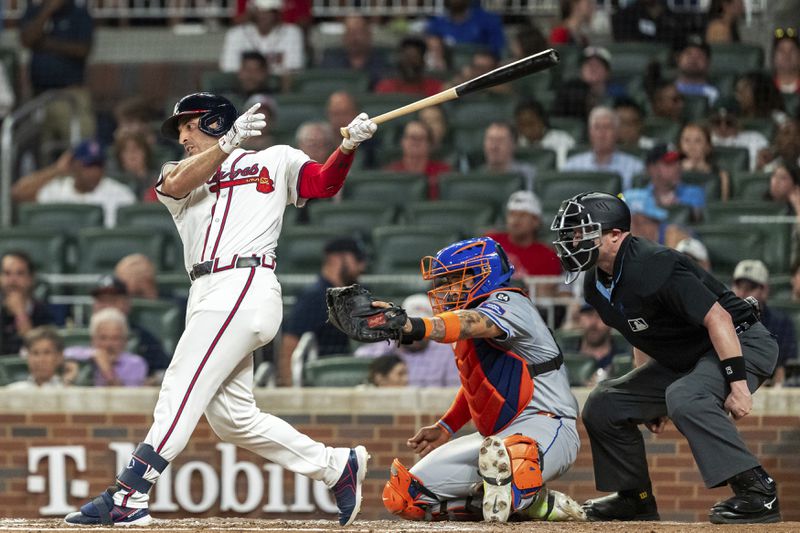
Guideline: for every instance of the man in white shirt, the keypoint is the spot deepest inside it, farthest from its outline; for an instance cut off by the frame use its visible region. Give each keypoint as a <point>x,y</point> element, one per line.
<point>282,44</point>
<point>604,155</point>
<point>77,177</point>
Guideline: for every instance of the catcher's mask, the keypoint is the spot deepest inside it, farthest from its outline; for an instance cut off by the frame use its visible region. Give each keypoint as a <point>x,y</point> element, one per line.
<point>217,115</point>
<point>580,222</point>
<point>465,271</point>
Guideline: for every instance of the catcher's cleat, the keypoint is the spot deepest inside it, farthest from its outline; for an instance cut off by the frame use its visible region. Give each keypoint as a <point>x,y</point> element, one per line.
<point>495,469</point>
<point>755,500</point>
<point>103,511</point>
<point>348,489</point>
<point>554,506</point>
<point>628,505</point>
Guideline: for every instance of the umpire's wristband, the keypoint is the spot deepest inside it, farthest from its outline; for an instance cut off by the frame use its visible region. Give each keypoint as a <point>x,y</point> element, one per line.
<point>733,369</point>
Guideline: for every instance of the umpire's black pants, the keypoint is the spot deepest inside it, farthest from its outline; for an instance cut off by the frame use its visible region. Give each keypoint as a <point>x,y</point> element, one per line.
<point>693,400</point>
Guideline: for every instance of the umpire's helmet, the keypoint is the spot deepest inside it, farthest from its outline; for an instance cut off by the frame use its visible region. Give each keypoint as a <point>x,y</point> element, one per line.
<point>580,222</point>
<point>217,114</point>
<point>465,271</point>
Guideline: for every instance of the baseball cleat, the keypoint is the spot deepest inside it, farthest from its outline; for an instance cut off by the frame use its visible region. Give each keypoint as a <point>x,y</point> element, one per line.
<point>103,511</point>
<point>494,467</point>
<point>348,489</point>
<point>558,507</point>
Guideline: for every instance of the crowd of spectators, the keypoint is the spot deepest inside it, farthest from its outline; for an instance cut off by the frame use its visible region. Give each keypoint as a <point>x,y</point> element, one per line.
<point>663,131</point>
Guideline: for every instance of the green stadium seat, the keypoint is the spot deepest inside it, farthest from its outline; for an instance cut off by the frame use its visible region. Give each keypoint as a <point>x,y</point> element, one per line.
<point>75,336</point>
<point>631,59</point>
<point>736,58</point>
<point>173,284</point>
<point>492,189</point>
<point>569,62</point>
<point>294,109</point>
<point>386,188</point>
<point>621,365</point>
<point>780,288</point>
<point>67,218</point>
<point>375,104</point>
<point>554,187</point>
<point>709,182</point>
<point>156,217</point>
<point>461,54</point>
<point>399,249</point>
<point>162,318</point>
<point>12,368</point>
<point>765,126</point>
<point>99,250</point>
<point>397,288</point>
<point>733,211</point>
<point>695,107</point>
<point>46,248</point>
<point>336,371</point>
<point>214,81</point>
<point>732,158</point>
<point>579,368</point>
<point>661,129</point>
<point>324,81</point>
<point>300,248</point>
<point>750,186</point>
<point>679,214</point>
<point>468,139</point>
<point>464,218</point>
<point>352,216</point>
<point>481,111</point>
<point>727,245</point>
<point>541,158</point>
<point>574,126</point>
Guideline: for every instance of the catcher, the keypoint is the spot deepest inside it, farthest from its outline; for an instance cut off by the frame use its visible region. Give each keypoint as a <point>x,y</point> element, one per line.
<point>514,388</point>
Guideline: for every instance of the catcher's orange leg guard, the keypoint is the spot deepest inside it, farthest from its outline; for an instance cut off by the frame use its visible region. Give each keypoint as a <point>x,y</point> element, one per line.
<point>525,468</point>
<point>401,495</point>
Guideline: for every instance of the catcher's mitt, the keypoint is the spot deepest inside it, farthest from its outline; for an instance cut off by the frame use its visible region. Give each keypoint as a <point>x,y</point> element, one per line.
<point>350,310</point>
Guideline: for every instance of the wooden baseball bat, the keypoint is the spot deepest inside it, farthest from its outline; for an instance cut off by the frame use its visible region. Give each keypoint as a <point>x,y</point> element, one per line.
<point>513,71</point>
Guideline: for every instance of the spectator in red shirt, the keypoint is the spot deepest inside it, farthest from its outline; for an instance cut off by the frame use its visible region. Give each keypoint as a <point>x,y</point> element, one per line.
<point>520,240</point>
<point>575,17</point>
<point>417,144</point>
<point>411,71</point>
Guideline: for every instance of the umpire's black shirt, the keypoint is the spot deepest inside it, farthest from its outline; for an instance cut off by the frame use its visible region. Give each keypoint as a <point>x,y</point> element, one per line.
<point>657,298</point>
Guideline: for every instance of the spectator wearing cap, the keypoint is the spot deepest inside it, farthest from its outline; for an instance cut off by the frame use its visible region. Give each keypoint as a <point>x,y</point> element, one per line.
<point>344,260</point>
<point>43,350</point>
<point>726,130</point>
<point>576,15</point>
<point>112,293</point>
<point>410,77</point>
<point>595,71</point>
<point>533,129</point>
<point>666,188</point>
<point>786,60</point>
<point>279,42</point>
<point>604,155</point>
<point>631,123</point>
<point>694,62</point>
<point>751,278</point>
<point>696,250</point>
<point>114,365</point>
<point>77,177</point>
<point>499,141</point>
<point>430,364</point>
<point>466,22</point>
<point>356,51</point>
<point>19,310</point>
<point>595,342</point>
<point>648,220</point>
<point>521,242</point>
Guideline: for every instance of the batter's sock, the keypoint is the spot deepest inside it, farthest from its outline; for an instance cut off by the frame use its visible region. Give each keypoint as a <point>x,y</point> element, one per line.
<point>137,478</point>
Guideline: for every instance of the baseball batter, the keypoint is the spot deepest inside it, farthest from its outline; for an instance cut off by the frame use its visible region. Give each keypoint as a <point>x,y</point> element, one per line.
<point>228,206</point>
<point>514,388</point>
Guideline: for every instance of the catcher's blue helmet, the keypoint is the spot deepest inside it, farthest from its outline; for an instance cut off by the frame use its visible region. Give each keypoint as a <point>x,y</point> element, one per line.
<point>217,114</point>
<point>465,271</point>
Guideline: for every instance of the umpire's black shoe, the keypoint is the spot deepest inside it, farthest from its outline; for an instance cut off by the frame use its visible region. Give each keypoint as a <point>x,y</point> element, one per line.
<point>755,500</point>
<point>624,505</point>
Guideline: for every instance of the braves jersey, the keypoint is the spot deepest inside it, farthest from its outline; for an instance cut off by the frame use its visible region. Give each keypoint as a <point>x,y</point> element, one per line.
<point>527,336</point>
<point>238,212</point>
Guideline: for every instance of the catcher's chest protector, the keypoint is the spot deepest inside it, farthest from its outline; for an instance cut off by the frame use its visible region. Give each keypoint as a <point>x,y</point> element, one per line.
<point>497,384</point>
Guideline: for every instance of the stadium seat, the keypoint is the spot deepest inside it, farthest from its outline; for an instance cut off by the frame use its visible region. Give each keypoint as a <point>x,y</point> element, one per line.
<point>461,54</point>
<point>736,58</point>
<point>579,368</point>
<point>67,218</point>
<point>574,126</point>
<point>156,217</point>
<point>75,336</point>
<point>351,216</point>
<point>99,250</point>
<point>541,158</point>
<point>621,365</point>
<point>569,64</point>
<point>679,214</point>
<point>631,59</point>
<point>554,187</point>
<point>480,111</point>
<point>661,129</point>
<point>493,189</point>
<point>324,81</point>
<point>12,368</point>
<point>765,126</point>
<point>396,288</point>
<point>780,288</point>
<point>727,245</point>
<point>46,248</point>
<point>733,211</point>
<point>468,139</point>
<point>386,188</point>
<point>750,186</point>
<point>375,104</point>
<point>300,248</point>
<point>162,318</point>
<point>399,249</point>
<point>214,81</point>
<point>336,371</point>
<point>294,109</point>
<point>695,107</point>
<point>709,182</point>
<point>732,158</point>
<point>461,217</point>
<point>173,284</point>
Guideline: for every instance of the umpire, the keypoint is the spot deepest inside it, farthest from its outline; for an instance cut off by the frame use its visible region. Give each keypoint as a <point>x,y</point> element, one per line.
<point>699,352</point>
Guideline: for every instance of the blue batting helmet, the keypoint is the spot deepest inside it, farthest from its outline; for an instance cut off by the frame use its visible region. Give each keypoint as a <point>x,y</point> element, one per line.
<point>217,114</point>
<point>464,272</point>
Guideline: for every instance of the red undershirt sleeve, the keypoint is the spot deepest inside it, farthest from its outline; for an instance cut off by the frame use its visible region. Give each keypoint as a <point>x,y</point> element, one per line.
<point>458,415</point>
<point>324,181</point>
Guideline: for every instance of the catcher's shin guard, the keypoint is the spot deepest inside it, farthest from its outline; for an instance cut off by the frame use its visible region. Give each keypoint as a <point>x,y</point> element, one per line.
<point>511,474</point>
<point>401,495</point>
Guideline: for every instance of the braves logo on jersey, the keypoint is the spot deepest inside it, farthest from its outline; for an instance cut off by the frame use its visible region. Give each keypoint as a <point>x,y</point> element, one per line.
<point>265,185</point>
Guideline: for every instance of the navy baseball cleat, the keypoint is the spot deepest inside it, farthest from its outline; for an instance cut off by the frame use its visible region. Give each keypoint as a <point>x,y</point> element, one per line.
<point>103,511</point>
<point>348,489</point>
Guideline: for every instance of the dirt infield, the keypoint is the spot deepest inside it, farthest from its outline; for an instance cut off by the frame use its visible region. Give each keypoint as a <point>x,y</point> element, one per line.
<point>236,525</point>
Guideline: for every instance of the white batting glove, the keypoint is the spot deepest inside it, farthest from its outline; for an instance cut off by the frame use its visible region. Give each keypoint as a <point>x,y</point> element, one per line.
<point>359,130</point>
<point>249,124</point>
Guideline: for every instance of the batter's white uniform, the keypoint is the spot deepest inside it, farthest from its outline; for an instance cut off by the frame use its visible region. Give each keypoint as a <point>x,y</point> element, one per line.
<point>230,313</point>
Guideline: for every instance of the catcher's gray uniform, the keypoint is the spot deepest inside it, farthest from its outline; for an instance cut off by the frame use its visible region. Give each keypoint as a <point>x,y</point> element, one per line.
<point>451,470</point>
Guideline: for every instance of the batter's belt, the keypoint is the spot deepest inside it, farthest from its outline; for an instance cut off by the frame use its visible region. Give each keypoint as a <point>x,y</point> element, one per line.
<point>215,265</point>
